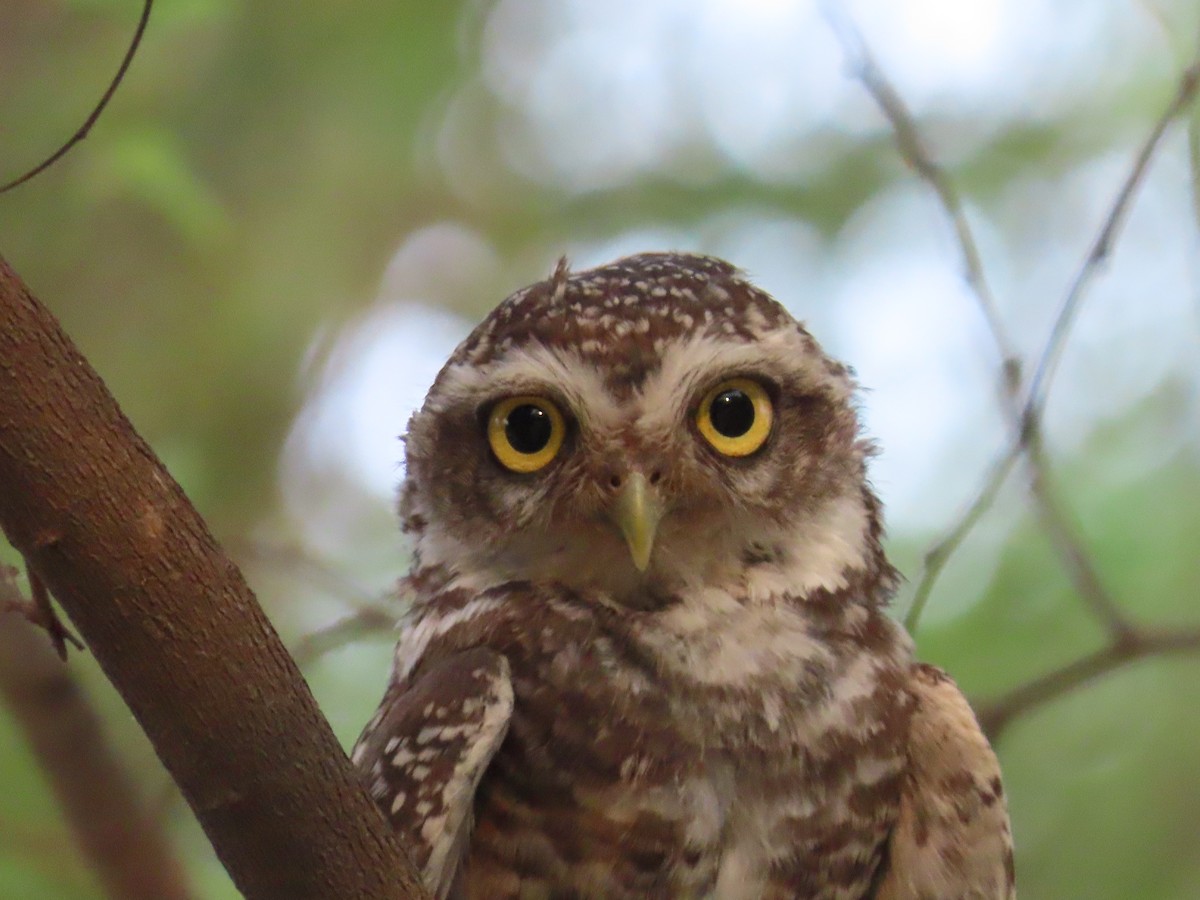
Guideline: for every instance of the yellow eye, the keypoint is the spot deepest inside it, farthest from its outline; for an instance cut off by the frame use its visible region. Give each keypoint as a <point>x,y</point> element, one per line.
<point>525,433</point>
<point>735,417</point>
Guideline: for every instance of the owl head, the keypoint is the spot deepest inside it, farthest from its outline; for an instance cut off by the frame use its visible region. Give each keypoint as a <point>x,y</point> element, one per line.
<point>637,429</point>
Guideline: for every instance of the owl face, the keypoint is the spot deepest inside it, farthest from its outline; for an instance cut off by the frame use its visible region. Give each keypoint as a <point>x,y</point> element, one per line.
<point>634,429</point>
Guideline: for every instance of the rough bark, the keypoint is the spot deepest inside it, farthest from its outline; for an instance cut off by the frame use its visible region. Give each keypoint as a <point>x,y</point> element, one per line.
<point>176,629</point>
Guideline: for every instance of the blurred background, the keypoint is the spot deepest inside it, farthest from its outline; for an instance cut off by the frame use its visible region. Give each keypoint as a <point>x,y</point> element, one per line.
<point>293,211</point>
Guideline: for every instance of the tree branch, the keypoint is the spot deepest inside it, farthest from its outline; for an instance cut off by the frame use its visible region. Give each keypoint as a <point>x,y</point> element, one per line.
<point>176,629</point>
<point>83,130</point>
<point>353,627</point>
<point>1024,417</point>
<point>1102,246</point>
<point>1126,642</point>
<point>1074,558</point>
<point>914,152</point>
<point>126,849</point>
<point>996,715</point>
<point>939,554</point>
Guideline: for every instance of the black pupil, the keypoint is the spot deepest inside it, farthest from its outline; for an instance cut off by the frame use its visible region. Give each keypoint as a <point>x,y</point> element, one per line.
<point>528,428</point>
<point>732,413</point>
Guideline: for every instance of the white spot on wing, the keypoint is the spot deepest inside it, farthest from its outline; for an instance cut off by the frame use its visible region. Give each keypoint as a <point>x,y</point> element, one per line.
<point>459,789</point>
<point>415,638</point>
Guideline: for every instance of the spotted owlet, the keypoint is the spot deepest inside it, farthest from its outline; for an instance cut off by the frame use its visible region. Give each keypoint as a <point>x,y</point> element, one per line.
<point>647,654</point>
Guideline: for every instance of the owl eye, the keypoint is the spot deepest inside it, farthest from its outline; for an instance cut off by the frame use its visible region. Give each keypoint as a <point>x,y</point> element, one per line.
<point>735,417</point>
<point>525,433</point>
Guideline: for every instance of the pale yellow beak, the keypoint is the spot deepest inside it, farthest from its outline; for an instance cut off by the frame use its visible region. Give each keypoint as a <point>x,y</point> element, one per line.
<point>637,511</point>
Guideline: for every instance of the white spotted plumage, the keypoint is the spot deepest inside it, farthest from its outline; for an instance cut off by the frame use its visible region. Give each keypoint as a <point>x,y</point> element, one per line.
<point>730,714</point>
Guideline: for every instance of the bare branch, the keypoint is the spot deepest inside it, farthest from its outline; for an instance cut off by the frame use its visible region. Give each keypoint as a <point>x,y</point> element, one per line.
<point>127,851</point>
<point>40,612</point>
<point>1076,561</point>
<point>1024,419</point>
<point>176,629</point>
<point>912,148</point>
<point>367,620</point>
<point>938,555</point>
<point>996,715</point>
<point>1079,565</point>
<point>369,615</point>
<point>295,559</point>
<point>48,851</point>
<point>1039,385</point>
<point>86,127</point>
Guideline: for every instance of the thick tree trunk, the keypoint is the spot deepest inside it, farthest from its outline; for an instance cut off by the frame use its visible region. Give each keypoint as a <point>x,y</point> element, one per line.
<point>175,627</point>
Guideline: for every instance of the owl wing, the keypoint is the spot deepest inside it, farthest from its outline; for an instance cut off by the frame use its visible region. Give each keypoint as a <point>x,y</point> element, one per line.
<point>952,839</point>
<point>426,748</point>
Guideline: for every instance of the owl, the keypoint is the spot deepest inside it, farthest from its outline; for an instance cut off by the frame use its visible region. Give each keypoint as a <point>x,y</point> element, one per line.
<point>647,654</point>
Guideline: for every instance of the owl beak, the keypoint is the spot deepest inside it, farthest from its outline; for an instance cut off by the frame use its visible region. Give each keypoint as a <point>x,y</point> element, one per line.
<point>637,512</point>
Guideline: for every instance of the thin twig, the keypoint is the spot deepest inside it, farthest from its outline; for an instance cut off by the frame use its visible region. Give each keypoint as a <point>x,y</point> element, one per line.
<point>369,615</point>
<point>1125,642</point>
<point>1076,561</point>
<point>1024,419</point>
<point>39,612</point>
<point>996,715</point>
<point>1101,249</point>
<point>912,148</point>
<point>938,555</point>
<point>367,620</point>
<point>293,558</point>
<point>86,127</point>
<point>1079,565</point>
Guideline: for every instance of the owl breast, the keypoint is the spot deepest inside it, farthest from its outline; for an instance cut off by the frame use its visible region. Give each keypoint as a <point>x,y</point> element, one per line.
<point>701,749</point>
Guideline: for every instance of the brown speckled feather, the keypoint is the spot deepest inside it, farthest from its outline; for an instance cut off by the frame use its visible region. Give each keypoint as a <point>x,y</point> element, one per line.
<point>427,748</point>
<point>952,839</point>
<point>620,779</point>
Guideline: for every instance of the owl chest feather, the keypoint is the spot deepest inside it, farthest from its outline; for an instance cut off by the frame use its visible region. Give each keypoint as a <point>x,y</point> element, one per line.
<point>705,750</point>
